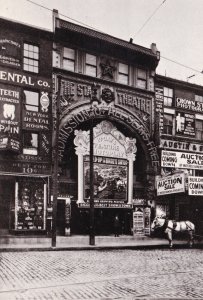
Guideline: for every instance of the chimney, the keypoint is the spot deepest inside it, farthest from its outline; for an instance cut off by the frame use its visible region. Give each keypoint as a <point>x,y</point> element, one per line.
<point>55,15</point>
<point>155,50</point>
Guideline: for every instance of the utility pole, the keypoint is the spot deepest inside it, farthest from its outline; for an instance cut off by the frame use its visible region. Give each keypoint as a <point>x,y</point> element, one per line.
<point>55,168</point>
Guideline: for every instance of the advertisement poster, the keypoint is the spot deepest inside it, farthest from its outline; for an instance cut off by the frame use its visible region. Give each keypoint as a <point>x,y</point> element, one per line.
<point>170,184</point>
<point>9,118</point>
<point>195,186</point>
<point>185,124</point>
<point>181,160</point>
<point>110,179</point>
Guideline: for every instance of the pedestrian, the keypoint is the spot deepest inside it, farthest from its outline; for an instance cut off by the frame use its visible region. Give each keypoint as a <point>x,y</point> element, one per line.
<point>116,226</point>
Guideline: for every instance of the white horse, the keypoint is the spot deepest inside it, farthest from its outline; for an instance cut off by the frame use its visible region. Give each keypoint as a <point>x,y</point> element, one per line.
<point>171,226</point>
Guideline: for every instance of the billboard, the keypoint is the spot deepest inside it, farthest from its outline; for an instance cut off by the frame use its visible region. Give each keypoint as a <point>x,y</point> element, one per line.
<point>195,186</point>
<point>181,160</point>
<point>170,184</point>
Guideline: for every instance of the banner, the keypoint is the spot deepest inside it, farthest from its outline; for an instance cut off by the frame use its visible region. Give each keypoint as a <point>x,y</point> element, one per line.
<point>181,160</point>
<point>9,118</point>
<point>170,184</point>
<point>195,186</point>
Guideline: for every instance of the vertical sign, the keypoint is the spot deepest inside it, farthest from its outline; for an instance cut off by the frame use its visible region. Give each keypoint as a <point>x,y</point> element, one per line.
<point>159,96</point>
<point>9,118</point>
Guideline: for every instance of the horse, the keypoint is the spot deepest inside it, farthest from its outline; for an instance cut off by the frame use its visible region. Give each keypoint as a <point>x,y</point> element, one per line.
<point>172,226</point>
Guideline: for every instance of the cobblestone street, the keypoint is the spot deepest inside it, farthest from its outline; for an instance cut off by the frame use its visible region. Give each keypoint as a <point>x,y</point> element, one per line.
<point>116,274</point>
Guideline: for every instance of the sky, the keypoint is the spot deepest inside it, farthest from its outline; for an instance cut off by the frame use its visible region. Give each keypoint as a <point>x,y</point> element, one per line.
<point>176,26</point>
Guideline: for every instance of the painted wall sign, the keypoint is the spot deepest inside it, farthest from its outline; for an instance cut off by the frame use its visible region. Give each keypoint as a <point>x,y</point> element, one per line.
<point>159,97</point>
<point>185,124</point>
<point>179,145</point>
<point>9,118</point>
<point>35,120</point>
<point>24,80</point>
<point>182,160</point>
<point>195,186</point>
<point>25,167</point>
<point>170,184</point>
<point>189,104</point>
<point>102,204</point>
<point>10,53</point>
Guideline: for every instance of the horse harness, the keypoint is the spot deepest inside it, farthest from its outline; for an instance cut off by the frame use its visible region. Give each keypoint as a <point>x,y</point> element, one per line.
<point>174,225</point>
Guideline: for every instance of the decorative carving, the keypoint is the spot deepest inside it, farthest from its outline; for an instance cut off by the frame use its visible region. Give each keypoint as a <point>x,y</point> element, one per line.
<point>107,95</point>
<point>107,69</point>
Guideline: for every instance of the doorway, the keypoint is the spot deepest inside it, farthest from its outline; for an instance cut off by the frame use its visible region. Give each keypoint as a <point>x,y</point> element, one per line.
<point>7,196</point>
<point>60,219</point>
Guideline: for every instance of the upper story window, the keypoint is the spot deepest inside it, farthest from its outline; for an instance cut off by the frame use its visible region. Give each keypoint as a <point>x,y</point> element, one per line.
<point>168,96</point>
<point>199,98</point>
<point>123,73</point>
<point>31,58</point>
<point>168,124</point>
<point>69,59</point>
<point>31,100</point>
<point>199,129</point>
<point>30,143</point>
<point>141,79</point>
<point>91,65</point>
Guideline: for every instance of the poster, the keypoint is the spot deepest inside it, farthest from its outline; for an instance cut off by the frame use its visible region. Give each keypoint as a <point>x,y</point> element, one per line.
<point>185,124</point>
<point>195,186</point>
<point>170,184</point>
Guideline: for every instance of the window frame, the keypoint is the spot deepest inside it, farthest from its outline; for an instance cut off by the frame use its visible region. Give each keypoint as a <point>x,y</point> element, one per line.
<point>87,64</point>
<point>31,105</point>
<point>141,78</point>
<point>29,150</point>
<point>198,131</point>
<point>168,126</point>
<point>69,59</point>
<point>29,58</point>
<point>167,97</point>
<point>124,75</point>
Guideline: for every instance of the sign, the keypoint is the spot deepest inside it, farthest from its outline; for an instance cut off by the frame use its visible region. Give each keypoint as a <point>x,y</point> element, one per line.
<point>23,80</point>
<point>36,120</point>
<point>10,53</point>
<point>9,118</point>
<point>138,222</point>
<point>189,104</point>
<point>25,167</point>
<point>105,204</point>
<point>181,160</point>
<point>195,186</point>
<point>170,184</point>
<point>185,124</point>
<point>179,145</point>
<point>159,97</point>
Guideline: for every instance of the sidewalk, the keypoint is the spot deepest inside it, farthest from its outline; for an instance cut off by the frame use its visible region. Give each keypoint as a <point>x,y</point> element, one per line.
<point>44,243</point>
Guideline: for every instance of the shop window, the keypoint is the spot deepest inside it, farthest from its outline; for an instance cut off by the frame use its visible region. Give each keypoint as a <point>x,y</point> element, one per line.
<point>123,73</point>
<point>31,205</point>
<point>168,96</point>
<point>31,101</point>
<point>168,124</point>
<point>91,65</point>
<point>31,58</point>
<point>199,98</point>
<point>30,143</point>
<point>141,79</point>
<point>199,129</point>
<point>69,59</point>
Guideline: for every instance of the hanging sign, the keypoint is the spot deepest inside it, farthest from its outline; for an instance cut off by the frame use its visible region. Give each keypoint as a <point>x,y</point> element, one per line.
<point>170,184</point>
<point>195,186</point>
<point>182,160</point>
<point>185,124</point>
<point>9,118</point>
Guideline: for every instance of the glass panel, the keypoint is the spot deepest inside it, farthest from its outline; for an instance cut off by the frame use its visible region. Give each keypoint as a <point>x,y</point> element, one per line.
<point>69,53</point>
<point>142,74</point>
<point>69,65</point>
<point>91,70</point>
<point>123,68</point>
<point>91,59</point>
<point>123,79</point>
<point>141,84</point>
<point>26,46</point>
<point>168,119</point>
<point>31,98</point>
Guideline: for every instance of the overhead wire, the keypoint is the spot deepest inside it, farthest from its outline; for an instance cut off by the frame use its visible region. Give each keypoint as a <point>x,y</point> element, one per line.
<point>173,61</point>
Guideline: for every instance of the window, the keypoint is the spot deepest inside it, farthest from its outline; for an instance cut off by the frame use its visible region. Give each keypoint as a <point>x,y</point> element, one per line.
<point>91,65</point>
<point>31,101</point>
<point>141,79</point>
<point>30,143</point>
<point>168,96</point>
<point>31,58</point>
<point>123,73</point>
<point>69,59</point>
<point>198,98</point>
<point>168,124</point>
<point>199,129</point>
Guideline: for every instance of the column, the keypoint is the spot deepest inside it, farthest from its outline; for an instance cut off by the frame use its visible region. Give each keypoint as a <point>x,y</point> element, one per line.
<point>80,178</point>
<point>130,178</point>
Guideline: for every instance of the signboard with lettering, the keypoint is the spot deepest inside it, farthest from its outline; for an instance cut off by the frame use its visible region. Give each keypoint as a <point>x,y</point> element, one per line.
<point>185,124</point>
<point>180,145</point>
<point>105,204</point>
<point>10,53</point>
<point>25,167</point>
<point>170,184</point>
<point>159,97</point>
<point>9,118</point>
<point>182,160</point>
<point>110,178</point>
<point>189,104</point>
<point>195,186</point>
